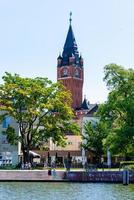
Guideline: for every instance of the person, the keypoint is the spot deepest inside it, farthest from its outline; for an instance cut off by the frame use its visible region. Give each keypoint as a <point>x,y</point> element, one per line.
<point>54,172</point>
<point>67,162</point>
<point>53,165</point>
<point>49,171</point>
<point>29,165</point>
<point>86,166</point>
<point>22,166</point>
<point>45,164</point>
<point>26,166</point>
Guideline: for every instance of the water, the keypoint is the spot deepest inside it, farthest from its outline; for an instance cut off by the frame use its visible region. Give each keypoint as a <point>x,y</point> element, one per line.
<point>65,191</point>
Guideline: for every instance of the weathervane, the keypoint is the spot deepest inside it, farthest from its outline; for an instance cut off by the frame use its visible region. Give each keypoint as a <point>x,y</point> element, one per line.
<point>70,19</point>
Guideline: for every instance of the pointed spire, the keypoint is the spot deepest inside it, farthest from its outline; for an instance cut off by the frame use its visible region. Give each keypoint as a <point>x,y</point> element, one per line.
<point>59,60</point>
<point>85,104</point>
<point>59,57</point>
<point>80,56</point>
<point>80,60</point>
<point>70,47</point>
<point>70,42</point>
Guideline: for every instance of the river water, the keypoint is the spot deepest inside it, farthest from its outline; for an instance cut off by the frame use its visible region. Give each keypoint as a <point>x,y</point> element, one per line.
<point>65,191</point>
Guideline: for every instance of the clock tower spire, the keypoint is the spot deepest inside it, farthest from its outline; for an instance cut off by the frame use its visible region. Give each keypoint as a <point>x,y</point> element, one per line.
<point>70,68</point>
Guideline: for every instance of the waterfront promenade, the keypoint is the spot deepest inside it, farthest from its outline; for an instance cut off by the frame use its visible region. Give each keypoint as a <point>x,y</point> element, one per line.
<point>30,175</point>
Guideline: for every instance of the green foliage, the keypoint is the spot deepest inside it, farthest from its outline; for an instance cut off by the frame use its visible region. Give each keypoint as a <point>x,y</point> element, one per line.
<point>11,167</point>
<point>127,162</point>
<point>117,111</point>
<point>127,165</point>
<point>12,138</point>
<point>41,108</point>
<point>93,138</point>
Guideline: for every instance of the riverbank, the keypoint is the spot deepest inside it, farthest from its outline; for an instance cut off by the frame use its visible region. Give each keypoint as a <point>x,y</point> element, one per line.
<point>63,176</point>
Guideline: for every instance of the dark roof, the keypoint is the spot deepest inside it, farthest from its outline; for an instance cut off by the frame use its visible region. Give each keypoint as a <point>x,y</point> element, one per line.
<point>70,48</point>
<point>92,109</point>
<point>89,108</point>
<point>34,155</point>
<point>85,105</point>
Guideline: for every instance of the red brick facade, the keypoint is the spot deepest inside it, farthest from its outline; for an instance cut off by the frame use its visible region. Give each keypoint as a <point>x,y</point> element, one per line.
<point>72,78</point>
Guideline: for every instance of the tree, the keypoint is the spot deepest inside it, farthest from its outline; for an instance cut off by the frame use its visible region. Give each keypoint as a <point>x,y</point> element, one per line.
<point>93,138</point>
<point>41,108</point>
<point>117,112</point>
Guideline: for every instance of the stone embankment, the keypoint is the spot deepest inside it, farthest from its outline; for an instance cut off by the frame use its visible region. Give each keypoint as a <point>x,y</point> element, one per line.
<point>100,176</point>
<point>62,176</point>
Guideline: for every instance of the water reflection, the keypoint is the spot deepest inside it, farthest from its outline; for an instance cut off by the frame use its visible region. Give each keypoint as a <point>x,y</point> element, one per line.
<point>65,191</point>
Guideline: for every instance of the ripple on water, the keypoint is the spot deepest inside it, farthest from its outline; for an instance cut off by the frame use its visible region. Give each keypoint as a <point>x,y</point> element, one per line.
<point>65,191</point>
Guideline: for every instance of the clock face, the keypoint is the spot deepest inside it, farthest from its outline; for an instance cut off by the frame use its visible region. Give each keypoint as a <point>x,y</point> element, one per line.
<point>65,72</point>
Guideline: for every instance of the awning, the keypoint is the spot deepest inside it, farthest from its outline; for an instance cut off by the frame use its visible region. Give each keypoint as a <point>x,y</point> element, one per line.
<point>34,155</point>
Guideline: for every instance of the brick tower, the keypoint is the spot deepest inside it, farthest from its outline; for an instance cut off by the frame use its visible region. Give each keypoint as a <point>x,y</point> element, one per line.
<point>70,68</point>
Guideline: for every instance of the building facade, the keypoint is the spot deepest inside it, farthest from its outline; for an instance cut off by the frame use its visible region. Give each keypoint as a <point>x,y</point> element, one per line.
<point>9,154</point>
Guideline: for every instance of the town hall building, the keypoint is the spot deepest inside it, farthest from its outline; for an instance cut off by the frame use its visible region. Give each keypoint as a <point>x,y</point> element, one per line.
<point>70,72</point>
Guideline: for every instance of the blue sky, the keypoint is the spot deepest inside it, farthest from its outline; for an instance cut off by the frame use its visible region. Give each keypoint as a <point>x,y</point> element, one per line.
<point>33,32</point>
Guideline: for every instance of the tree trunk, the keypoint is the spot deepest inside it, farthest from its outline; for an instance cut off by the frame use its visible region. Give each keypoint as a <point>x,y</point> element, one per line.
<point>26,156</point>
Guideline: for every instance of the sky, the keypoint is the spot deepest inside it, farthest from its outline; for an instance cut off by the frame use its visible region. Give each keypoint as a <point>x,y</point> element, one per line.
<point>33,32</point>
